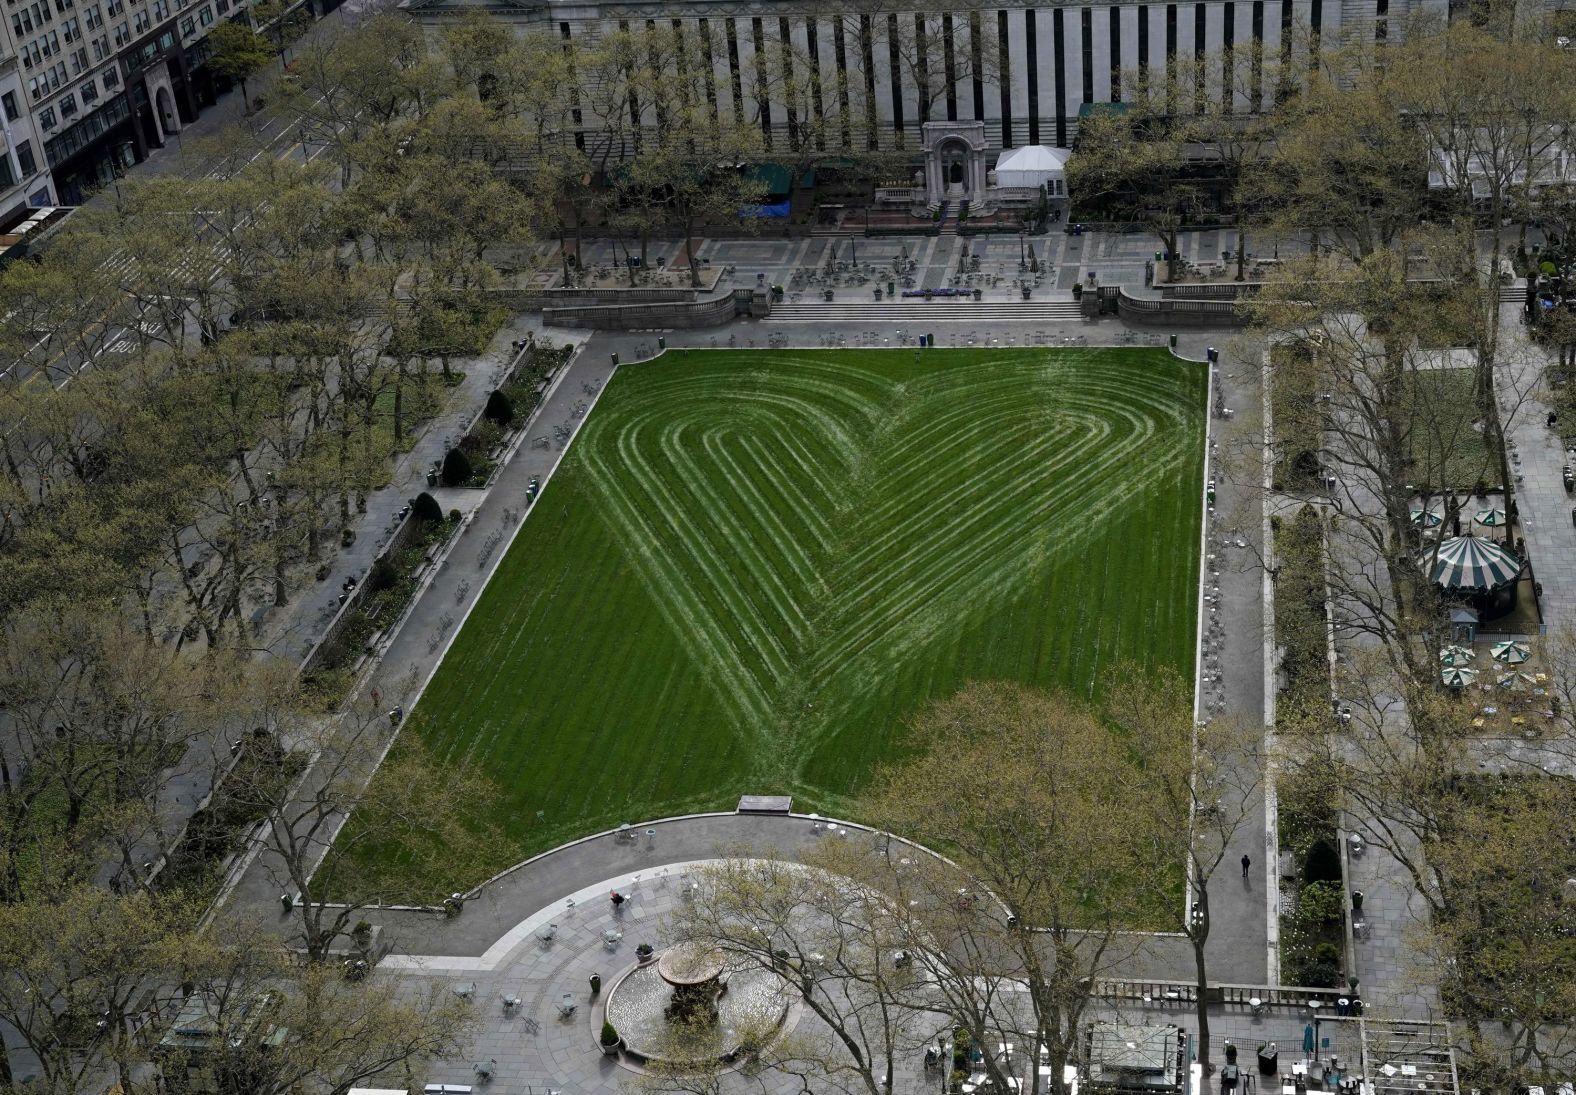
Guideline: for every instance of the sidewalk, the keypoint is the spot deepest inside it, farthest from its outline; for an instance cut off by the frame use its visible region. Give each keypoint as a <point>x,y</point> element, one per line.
<point>1543,506</point>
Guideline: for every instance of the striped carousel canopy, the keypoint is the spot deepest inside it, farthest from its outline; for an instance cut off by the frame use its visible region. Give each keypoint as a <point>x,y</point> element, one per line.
<point>1470,562</point>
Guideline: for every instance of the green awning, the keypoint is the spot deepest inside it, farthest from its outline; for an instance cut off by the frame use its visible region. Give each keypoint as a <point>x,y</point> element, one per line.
<point>777,179</point>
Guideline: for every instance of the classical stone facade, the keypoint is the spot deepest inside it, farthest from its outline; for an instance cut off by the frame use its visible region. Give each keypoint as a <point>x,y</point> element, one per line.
<point>1023,71</point>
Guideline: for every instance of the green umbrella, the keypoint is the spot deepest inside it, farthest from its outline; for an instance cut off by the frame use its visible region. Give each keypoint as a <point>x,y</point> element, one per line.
<point>1426,518</point>
<point>1456,655</point>
<point>1494,517</point>
<point>1514,680</point>
<point>1511,652</point>
<point>1456,677</point>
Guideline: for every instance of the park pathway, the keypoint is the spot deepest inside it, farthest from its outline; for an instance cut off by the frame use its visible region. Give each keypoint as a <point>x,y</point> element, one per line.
<point>1538,457</point>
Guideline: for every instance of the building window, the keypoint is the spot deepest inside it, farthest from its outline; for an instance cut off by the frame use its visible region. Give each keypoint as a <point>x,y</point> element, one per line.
<point>24,156</point>
<point>7,180</point>
<point>68,107</point>
<point>205,16</point>
<point>161,10</point>
<point>111,78</point>
<point>142,22</point>
<point>188,26</point>
<point>40,200</point>
<point>8,101</point>
<point>46,119</point>
<point>1087,27</point>
<point>223,6</point>
<point>89,91</point>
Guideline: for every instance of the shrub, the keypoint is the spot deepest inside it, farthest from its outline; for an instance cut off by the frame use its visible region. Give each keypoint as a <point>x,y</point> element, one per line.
<point>425,508</point>
<point>455,516</point>
<point>456,469</point>
<point>499,409</point>
<point>609,1034</point>
<point>382,576</point>
<point>1318,975</point>
<point>1320,903</point>
<point>1322,864</point>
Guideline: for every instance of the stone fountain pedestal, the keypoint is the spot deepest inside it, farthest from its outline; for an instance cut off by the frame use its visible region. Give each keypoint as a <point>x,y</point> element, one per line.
<point>688,1007</point>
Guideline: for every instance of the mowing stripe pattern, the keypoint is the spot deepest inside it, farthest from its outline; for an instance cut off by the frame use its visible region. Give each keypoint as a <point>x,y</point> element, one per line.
<point>754,566</point>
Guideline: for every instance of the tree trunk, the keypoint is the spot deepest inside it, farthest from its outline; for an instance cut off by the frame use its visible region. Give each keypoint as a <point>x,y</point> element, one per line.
<point>1242,244</point>
<point>1198,935</point>
<point>689,254</point>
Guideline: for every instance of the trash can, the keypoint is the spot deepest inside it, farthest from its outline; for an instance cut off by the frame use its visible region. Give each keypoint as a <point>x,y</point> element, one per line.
<point>662,343</point>
<point>1173,342</point>
<point>1269,1060</point>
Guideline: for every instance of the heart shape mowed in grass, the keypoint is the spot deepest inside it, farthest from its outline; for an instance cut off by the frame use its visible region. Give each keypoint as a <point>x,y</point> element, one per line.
<point>823,523</point>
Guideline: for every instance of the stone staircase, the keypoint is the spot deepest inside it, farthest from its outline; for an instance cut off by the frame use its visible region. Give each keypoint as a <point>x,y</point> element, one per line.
<point>930,311</point>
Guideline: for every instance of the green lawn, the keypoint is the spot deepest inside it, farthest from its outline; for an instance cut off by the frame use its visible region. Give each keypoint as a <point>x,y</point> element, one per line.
<point>753,566</point>
<point>1448,448</point>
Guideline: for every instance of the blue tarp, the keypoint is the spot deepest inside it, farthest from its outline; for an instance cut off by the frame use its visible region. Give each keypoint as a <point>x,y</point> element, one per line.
<point>775,209</point>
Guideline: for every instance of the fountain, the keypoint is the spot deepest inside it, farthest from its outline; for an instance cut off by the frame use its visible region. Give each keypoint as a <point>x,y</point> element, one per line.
<point>689,1007</point>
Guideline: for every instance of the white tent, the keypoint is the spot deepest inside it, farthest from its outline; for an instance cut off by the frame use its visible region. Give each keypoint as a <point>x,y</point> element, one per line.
<point>1032,165</point>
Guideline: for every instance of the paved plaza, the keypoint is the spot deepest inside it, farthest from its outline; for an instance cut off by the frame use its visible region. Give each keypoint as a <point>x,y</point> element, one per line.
<point>1116,258</point>
<point>546,960</point>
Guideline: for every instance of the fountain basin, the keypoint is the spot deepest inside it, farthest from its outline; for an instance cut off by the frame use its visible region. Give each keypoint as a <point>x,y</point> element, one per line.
<point>751,1007</point>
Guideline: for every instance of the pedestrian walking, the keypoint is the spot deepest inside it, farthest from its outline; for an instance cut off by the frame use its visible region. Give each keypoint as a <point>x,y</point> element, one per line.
<point>618,899</point>
<point>1246,863</point>
<point>377,696</point>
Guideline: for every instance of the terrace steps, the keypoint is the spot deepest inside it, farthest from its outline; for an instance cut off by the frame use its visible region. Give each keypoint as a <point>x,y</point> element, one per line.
<point>931,311</point>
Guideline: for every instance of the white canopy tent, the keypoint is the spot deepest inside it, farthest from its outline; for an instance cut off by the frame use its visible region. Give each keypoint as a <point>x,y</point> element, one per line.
<point>1032,165</point>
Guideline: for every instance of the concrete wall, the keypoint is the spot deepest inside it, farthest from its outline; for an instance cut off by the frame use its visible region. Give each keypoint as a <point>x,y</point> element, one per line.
<point>708,312</point>
<point>1178,313</point>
